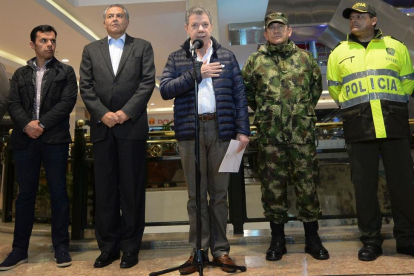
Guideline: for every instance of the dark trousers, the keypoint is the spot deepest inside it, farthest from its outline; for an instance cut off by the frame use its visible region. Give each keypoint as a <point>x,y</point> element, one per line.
<point>398,164</point>
<point>120,180</point>
<point>28,162</point>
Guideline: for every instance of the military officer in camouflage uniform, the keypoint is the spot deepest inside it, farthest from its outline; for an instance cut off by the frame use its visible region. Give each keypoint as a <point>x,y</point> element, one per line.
<point>283,85</point>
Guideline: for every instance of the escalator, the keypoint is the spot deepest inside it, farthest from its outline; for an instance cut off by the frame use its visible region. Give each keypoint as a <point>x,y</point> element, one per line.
<point>322,21</point>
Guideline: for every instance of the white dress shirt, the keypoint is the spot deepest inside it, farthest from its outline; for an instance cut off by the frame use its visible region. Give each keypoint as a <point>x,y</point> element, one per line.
<point>40,72</point>
<point>206,95</point>
<point>116,47</point>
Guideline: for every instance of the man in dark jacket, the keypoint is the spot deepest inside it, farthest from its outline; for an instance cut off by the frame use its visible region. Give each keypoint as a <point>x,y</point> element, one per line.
<point>222,109</point>
<point>4,90</point>
<point>42,95</point>
<point>117,77</point>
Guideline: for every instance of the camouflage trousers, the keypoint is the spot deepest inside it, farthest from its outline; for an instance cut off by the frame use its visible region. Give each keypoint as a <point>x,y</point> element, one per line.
<point>280,165</point>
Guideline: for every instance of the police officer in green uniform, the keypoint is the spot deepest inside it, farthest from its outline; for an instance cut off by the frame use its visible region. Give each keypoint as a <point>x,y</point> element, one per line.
<point>371,78</point>
<point>283,85</point>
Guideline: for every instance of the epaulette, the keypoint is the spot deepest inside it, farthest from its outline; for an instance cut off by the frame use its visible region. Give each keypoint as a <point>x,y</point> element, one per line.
<point>339,43</point>
<point>396,39</point>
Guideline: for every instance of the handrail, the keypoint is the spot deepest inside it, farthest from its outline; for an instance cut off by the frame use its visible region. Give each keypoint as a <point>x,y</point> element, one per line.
<point>237,197</point>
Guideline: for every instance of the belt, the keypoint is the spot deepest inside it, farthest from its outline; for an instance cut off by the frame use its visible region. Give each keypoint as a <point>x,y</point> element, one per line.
<point>207,116</point>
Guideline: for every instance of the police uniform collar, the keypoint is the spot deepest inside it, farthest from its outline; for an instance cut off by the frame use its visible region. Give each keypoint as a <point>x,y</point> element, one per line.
<point>377,35</point>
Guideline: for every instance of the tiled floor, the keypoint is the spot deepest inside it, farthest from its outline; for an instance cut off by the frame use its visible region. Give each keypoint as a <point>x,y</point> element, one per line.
<point>169,250</point>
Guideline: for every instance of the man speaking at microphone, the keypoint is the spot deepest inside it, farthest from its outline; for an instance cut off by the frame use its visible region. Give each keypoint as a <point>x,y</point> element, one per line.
<point>222,109</point>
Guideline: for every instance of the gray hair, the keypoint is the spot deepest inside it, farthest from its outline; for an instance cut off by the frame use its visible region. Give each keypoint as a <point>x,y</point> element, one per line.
<point>198,10</point>
<point>116,5</point>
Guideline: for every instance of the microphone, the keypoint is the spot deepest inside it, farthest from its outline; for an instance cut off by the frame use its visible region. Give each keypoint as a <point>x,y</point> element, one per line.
<point>197,44</point>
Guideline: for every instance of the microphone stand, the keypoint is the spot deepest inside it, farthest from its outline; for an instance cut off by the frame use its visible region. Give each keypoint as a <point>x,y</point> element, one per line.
<point>200,259</point>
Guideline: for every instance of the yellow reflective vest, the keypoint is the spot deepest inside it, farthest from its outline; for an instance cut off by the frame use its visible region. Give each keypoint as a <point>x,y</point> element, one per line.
<point>372,86</point>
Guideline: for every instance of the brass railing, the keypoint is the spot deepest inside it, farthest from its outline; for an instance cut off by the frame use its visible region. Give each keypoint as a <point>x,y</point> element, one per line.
<point>159,140</point>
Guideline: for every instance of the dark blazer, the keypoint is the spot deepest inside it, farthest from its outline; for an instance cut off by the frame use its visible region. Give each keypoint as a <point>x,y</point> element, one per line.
<point>129,90</point>
<point>58,97</point>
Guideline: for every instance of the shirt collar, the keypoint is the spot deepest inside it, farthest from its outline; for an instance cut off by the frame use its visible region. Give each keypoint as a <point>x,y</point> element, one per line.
<point>44,66</point>
<point>122,38</point>
<point>210,48</point>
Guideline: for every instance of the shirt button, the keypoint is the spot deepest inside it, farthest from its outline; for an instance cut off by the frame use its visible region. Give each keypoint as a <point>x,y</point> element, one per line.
<point>114,83</point>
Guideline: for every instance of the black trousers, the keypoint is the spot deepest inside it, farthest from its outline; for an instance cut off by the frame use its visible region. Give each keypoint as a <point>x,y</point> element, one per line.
<point>120,180</point>
<point>28,161</point>
<point>398,164</point>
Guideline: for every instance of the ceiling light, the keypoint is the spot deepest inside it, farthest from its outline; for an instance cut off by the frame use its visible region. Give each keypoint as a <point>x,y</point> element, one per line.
<point>12,58</point>
<point>152,103</point>
<point>65,60</point>
<point>73,22</point>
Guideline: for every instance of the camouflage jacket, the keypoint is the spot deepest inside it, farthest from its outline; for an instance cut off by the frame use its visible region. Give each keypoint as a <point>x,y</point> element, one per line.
<point>283,85</point>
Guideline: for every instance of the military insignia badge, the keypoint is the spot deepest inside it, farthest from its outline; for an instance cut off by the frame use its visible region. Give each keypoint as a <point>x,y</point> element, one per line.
<point>359,5</point>
<point>391,51</point>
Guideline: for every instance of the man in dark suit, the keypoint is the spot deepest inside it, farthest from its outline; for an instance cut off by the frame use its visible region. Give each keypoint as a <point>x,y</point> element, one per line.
<point>117,80</point>
<point>42,95</point>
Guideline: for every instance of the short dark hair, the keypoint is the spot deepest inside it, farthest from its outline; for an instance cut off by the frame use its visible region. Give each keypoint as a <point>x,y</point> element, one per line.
<point>42,29</point>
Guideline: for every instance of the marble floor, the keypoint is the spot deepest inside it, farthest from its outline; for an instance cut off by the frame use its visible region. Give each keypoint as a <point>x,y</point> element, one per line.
<point>163,251</point>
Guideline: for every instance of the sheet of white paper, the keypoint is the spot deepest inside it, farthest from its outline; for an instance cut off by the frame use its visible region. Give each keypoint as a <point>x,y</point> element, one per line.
<point>231,161</point>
